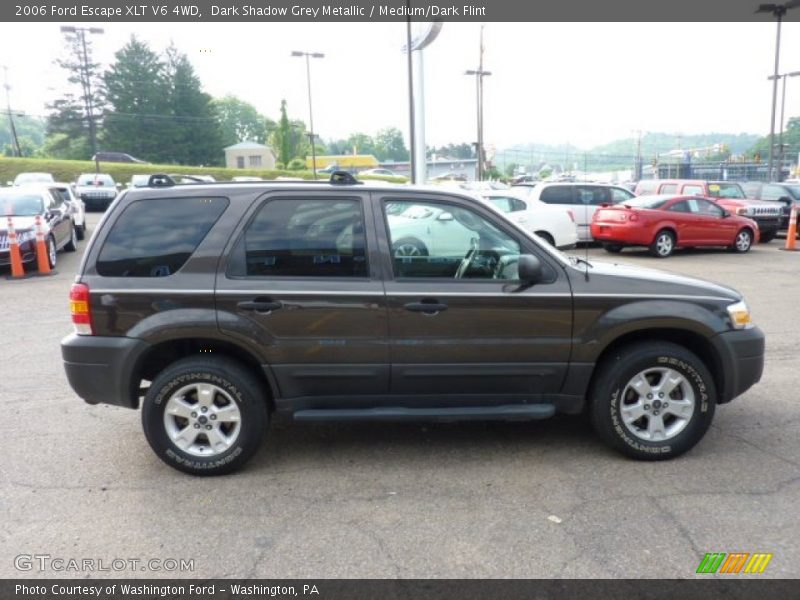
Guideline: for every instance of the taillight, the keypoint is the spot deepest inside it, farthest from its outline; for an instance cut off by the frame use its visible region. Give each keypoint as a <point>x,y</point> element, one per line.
<point>571,215</point>
<point>80,309</point>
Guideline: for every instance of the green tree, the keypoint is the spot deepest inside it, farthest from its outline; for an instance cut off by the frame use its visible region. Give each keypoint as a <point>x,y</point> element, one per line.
<point>239,121</point>
<point>360,143</point>
<point>138,94</point>
<point>390,145</point>
<point>195,138</point>
<point>68,124</point>
<point>30,133</point>
<point>282,137</point>
<point>791,141</point>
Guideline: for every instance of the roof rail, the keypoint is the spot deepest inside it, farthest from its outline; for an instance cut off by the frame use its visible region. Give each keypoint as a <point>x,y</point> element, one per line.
<point>344,178</point>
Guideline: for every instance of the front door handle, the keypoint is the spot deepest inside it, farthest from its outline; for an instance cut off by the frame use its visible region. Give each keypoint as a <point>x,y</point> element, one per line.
<point>426,306</point>
<point>260,306</point>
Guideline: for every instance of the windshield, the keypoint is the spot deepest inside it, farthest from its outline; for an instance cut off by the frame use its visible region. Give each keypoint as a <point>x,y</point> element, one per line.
<point>725,190</point>
<point>646,201</point>
<point>21,205</point>
<point>95,179</point>
<point>23,178</point>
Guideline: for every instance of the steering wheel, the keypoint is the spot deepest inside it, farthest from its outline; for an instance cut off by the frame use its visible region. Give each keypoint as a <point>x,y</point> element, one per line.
<point>468,258</point>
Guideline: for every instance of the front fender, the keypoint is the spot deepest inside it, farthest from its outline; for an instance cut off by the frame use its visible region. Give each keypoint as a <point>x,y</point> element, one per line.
<point>597,326</point>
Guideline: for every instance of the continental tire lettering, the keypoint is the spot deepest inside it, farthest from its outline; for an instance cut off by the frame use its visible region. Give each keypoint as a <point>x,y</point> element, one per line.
<point>693,374</point>
<point>210,464</point>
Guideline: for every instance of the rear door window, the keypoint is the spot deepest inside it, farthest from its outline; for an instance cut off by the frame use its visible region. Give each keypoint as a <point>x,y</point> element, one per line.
<point>303,237</point>
<point>155,238</point>
<point>593,195</point>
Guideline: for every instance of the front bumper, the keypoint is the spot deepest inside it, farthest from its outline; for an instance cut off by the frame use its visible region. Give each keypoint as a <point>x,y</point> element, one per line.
<point>742,360</point>
<point>767,225</point>
<point>100,369</point>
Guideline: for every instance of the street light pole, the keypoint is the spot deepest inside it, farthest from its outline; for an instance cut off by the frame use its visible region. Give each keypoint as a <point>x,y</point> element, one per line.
<point>778,11</point>
<point>308,56</point>
<point>86,82</point>
<point>479,74</point>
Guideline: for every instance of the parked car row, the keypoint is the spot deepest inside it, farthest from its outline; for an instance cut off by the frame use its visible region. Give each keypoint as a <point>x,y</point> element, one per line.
<point>55,208</point>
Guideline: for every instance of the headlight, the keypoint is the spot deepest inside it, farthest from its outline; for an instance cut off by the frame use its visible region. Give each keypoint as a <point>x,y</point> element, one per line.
<point>740,315</point>
<point>742,211</point>
<point>25,236</point>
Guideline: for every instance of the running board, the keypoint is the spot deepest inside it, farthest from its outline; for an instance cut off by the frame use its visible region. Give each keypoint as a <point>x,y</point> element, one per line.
<point>509,412</point>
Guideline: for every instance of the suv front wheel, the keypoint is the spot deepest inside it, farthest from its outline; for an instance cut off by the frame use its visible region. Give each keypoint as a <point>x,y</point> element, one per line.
<point>653,400</point>
<point>205,416</point>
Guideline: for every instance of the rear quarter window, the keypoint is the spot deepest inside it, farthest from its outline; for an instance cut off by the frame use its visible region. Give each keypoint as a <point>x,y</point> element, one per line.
<point>557,194</point>
<point>155,238</point>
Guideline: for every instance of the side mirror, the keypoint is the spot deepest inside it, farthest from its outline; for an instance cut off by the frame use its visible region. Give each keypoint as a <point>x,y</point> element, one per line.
<point>445,216</point>
<point>725,214</point>
<point>529,269</point>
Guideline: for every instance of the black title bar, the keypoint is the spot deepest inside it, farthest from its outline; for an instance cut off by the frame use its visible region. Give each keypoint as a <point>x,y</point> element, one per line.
<point>389,10</point>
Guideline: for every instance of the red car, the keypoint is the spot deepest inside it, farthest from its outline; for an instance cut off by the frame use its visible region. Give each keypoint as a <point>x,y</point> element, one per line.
<point>666,222</point>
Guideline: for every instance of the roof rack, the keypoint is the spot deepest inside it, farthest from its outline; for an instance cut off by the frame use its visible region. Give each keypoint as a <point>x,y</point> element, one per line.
<point>160,180</point>
<point>344,178</point>
<point>164,180</point>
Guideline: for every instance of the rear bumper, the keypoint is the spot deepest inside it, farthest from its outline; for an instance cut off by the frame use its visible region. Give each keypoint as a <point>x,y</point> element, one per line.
<point>620,234</point>
<point>100,369</point>
<point>742,356</point>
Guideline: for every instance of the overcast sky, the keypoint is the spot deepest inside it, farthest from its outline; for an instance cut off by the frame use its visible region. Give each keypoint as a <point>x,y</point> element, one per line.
<point>583,83</point>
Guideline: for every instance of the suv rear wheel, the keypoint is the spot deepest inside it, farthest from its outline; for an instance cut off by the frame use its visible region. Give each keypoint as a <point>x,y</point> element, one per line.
<point>653,400</point>
<point>205,416</point>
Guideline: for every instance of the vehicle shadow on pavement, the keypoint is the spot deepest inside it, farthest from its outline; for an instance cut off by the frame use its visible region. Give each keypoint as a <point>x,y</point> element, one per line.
<point>384,443</point>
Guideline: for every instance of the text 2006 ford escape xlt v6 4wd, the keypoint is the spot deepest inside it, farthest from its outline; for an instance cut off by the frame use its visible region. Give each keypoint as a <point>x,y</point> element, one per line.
<point>214,305</point>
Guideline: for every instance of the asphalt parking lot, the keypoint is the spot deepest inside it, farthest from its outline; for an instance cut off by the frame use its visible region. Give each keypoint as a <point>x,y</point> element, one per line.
<point>542,499</point>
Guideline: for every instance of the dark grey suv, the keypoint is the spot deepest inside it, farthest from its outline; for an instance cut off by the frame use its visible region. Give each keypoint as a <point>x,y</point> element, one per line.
<point>214,305</point>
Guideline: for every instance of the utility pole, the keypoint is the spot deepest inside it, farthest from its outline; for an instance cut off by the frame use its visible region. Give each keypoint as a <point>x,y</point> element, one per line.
<point>86,81</point>
<point>10,113</point>
<point>479,74</point>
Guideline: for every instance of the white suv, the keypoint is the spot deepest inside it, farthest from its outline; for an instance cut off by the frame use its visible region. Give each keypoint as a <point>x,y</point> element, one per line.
<point>581,198</point>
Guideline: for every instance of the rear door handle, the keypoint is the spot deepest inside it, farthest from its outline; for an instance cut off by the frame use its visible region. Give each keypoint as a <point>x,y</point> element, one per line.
<point>261,306</point>
<point>428,307</point>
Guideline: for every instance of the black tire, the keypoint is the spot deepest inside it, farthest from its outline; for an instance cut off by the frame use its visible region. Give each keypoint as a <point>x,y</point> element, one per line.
<point>743,241</point>
<point>663,244</point>
<point>401,245</point>
<point>52,253</point>
<point>240,385</point>
<point>547,238</point>
<point>72,244</point>
<point>612,381</point>
<point>613,248</point>
<point>80,231</point>
<point>767,236</point>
